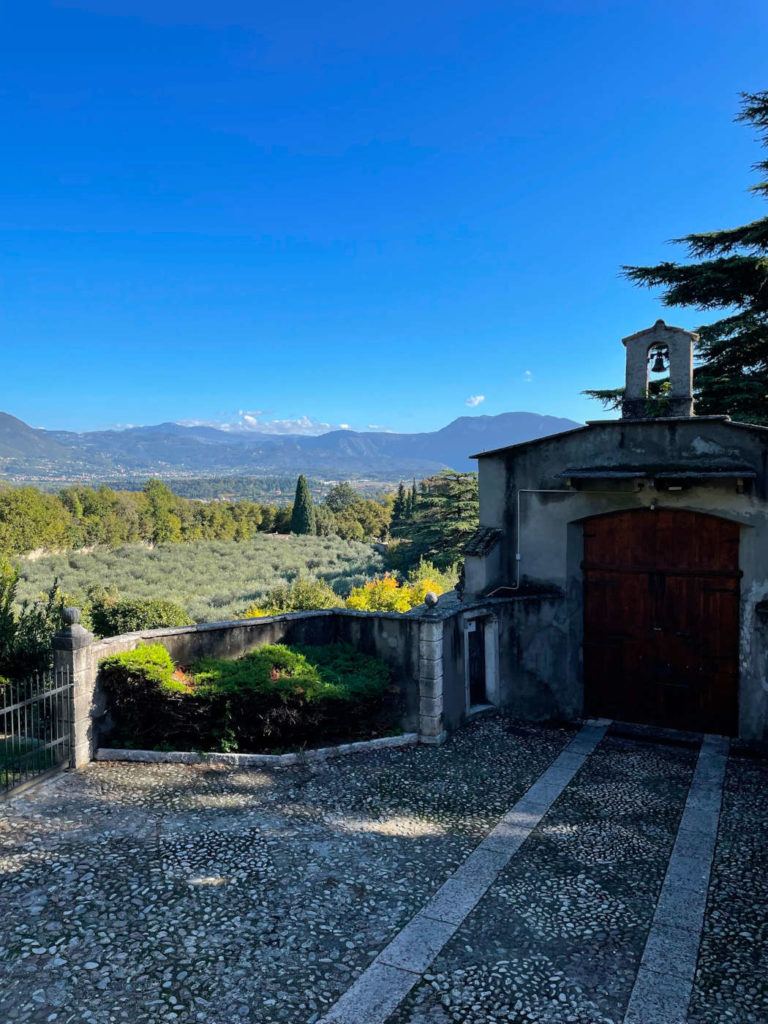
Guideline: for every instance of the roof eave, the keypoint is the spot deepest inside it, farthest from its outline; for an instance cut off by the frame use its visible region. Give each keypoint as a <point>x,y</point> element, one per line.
<point>622,422</point>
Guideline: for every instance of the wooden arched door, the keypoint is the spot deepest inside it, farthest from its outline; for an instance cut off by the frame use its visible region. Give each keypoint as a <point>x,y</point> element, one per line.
<point>661,619</point>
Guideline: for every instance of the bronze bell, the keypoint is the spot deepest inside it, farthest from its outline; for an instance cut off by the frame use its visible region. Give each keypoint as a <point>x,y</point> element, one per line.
<point>659,366</point>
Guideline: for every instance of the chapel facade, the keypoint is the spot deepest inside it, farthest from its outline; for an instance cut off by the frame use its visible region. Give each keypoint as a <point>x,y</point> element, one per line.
<point>621,568</point>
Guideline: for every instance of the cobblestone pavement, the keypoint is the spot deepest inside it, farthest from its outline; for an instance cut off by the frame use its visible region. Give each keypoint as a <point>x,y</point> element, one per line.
<point>147,893</point>
<point>560,936</point>
<point>732,975</point>
<point>136,893</point>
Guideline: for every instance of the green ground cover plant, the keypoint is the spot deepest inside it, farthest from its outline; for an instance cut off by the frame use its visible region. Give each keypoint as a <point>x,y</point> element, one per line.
<point>273,697</point>
<point>211,580</point>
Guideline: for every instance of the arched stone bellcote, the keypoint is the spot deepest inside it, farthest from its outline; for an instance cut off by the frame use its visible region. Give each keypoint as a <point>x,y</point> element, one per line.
<point>676,349</point>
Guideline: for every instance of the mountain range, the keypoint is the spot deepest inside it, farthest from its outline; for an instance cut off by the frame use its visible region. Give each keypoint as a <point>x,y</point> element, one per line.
<point>170,449</point>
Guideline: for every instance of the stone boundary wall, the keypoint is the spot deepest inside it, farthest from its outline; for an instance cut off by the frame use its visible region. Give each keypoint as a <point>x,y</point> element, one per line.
<point>396,639</point>
<point>321,754</point>
<point>424,649</point>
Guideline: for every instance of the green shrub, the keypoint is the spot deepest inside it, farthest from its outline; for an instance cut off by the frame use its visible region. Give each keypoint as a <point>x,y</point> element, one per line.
<point>274,696</point>
<point>302,595</point>
<point>353,675</point>
<point>145,702</point>
<point>113,617</point>
<point>331,672</point>
<point>274,668</point>
<point>147,665</point>
<point>446,579</point>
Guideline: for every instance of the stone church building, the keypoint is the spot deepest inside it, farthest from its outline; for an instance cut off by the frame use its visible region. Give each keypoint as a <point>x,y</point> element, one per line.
<point>636,554</point>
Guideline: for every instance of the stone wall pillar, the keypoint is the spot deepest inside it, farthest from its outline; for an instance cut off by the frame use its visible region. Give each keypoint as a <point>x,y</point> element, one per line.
<point>431,728</point>
<point>73,653</point>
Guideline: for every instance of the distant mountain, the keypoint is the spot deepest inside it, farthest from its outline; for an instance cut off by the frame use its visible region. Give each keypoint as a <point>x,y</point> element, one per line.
<point>452,445</point>
<point>19,441</point>
<point>169,449</point>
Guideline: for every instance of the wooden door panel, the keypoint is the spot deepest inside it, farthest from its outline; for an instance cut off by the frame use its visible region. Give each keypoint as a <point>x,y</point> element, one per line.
<point>661,618</point>
<point>615,541</point>
<point>616,604</point>
<point>664,539</point>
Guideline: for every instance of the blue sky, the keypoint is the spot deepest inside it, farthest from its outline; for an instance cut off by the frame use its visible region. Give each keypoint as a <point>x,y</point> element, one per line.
<point>350,213</point>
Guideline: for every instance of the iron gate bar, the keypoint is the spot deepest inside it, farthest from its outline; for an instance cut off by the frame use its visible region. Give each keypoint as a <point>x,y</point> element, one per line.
<point>34,700</point>
<point>35,731</point>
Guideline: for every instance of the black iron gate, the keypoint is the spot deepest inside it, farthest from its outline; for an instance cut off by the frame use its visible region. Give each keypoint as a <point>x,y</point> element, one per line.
<point>35,728</point>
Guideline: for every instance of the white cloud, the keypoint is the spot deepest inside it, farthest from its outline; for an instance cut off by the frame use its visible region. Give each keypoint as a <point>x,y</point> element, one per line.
<point>252,422</point>
<point>301,425</point>
<point>527,376</point>
<point>474,400</point>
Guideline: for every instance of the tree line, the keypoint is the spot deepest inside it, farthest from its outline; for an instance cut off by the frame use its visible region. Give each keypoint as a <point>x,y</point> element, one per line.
<point>438,516</point>
<point>81,517</point>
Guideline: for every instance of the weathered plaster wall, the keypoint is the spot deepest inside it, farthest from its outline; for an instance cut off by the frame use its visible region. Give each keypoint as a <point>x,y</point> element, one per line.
<point>454,683</point>
<point>393,638</point>
<point>526,645</point>
<point>532,634</point>
<point>534,685</point>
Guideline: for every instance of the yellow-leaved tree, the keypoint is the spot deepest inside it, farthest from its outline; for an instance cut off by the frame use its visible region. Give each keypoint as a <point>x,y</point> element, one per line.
<point>387,595</point>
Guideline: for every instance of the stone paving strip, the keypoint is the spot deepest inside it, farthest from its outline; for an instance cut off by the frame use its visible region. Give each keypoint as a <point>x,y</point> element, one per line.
<point>382,987</point>
<point>731,983</point>
<point>664,982</point>
<point>202,894</point>
<point>559,935</point>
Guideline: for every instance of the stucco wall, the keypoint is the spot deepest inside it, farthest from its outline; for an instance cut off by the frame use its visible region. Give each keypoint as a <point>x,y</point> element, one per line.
<point>533,683</point>
<point>532,634</point>
<point>454,684</point>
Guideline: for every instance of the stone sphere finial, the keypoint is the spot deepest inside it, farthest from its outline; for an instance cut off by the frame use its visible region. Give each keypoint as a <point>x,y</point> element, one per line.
<point>430,599</point>
<point>71,616</point>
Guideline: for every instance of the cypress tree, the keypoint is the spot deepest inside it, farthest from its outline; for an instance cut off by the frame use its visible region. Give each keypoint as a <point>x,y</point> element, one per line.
<point>731,273</point>
<point>400,505</point>
<point>303,518</point>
